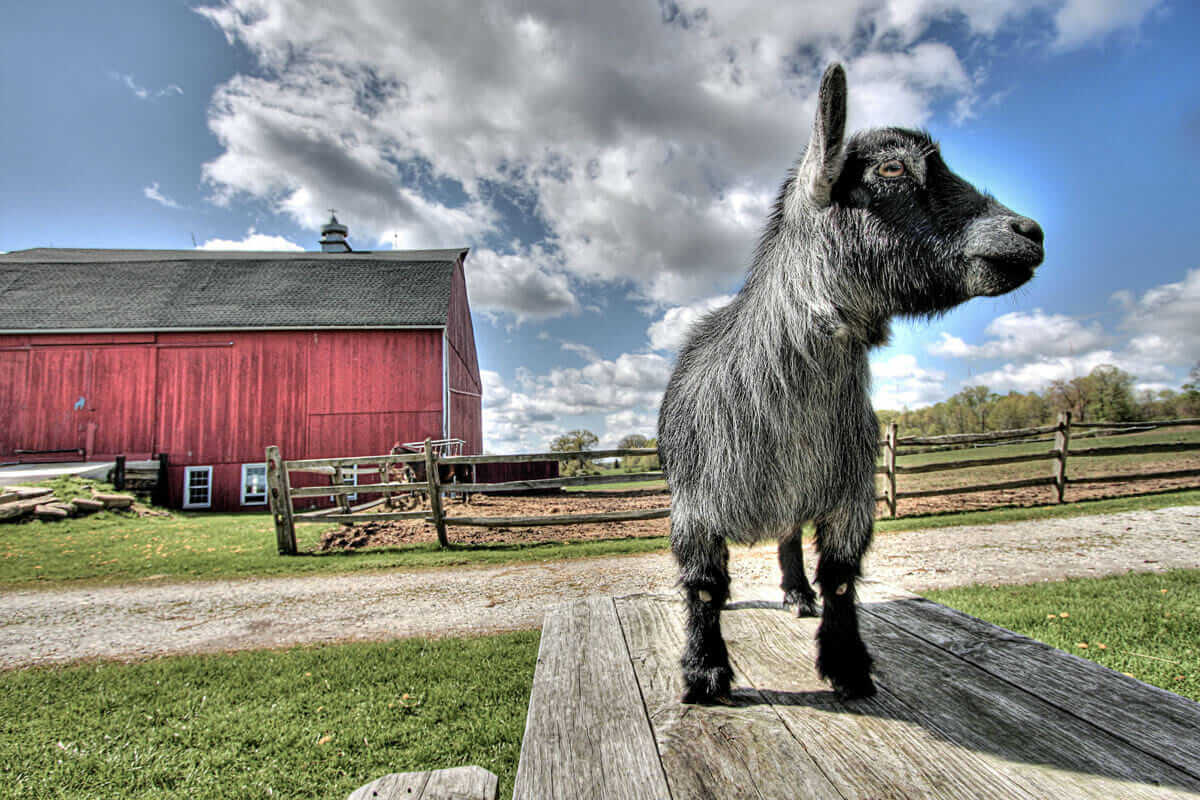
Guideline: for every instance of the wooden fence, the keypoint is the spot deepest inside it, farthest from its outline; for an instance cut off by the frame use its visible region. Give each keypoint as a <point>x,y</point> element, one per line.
<point>282,495</point>
<point>1058,454</point>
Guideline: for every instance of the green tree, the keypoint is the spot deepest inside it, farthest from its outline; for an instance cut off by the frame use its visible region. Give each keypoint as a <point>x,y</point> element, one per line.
<point>572,441</point>
<point>1110,394</point>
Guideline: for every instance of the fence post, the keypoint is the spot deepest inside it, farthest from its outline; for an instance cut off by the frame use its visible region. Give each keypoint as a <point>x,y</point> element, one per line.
<point>435,493</point>
<point>280,494</point>
<point>161,496</point>
<point>1062,440</point>
<point>119,474</point>
<point>339,479</point>
<point>889,465</point>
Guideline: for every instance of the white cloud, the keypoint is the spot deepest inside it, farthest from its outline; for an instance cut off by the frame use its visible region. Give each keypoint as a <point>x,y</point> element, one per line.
<point>528,285</point>
<point>253,241</point>
<point>657,172</point>
<point>1164,319</point>
<point>1022,334</point>
<point>624,423</point>
<point>669,333</point>
<point>900,382</point>
<point>152,193</point>
<point>1079,22</point>
<point>141,92</point>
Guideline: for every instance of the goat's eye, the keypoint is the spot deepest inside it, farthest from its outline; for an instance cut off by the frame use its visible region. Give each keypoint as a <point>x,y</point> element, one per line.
<point>892,168</point>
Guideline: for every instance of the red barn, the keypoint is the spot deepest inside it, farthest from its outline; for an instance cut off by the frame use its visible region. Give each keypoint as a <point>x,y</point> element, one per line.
<point>210,357</point>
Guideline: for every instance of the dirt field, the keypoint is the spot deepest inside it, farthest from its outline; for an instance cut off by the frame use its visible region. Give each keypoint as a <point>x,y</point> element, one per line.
<point>379,534</point>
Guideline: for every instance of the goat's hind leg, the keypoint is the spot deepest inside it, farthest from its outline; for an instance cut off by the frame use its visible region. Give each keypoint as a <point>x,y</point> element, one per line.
<point>797,591</point>
<point>704,574</point>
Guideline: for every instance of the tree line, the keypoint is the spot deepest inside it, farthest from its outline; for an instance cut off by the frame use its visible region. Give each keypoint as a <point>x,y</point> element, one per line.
<point>1106,394</point>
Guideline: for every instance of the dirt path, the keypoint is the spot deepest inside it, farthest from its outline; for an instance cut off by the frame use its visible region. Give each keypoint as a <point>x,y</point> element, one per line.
<point>40,627</point>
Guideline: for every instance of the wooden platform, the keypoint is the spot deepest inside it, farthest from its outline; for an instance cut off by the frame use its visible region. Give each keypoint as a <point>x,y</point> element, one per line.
<point>965,709</point>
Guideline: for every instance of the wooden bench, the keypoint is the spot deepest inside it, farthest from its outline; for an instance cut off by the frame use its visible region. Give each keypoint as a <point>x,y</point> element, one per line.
<point>965,709</point>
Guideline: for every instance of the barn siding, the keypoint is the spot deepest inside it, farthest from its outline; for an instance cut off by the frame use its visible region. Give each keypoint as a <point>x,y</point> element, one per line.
<point>466,410</point>
<point>219,398</point>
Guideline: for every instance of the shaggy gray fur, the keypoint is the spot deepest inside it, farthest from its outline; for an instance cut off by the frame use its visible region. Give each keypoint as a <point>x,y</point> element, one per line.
<point>767,422</point>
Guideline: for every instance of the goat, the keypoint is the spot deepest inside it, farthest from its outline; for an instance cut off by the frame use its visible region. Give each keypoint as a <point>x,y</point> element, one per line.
<point>766,422</point>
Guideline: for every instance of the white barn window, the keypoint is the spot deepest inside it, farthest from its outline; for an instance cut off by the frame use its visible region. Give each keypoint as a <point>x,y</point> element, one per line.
<point>197,487</point>
<point>254,484</point>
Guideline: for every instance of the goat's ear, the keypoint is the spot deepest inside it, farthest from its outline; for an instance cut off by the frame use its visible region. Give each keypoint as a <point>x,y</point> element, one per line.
<point>825,155</point>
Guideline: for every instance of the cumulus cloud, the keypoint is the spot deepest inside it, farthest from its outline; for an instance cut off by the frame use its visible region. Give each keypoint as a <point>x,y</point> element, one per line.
<point>1164,318</point>
<point>152,193</point>
<point>1081,21</point>
<point>901,382</point>
<point>627,389</point>
<point>253,241</point>
<point>1023,334</point>
<point>528,285</point>
<point>641,170</point>
<point>670,331</point>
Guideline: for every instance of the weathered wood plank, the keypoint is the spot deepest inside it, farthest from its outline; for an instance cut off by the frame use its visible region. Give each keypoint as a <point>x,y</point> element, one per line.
<point>586,734</point>
<point>457,783</point>
<point>367,517</point>
<point>742,750</point>
<point>314,464</point>
<point>1150,719</point>
<point>1135,449</point>
<point>1136,476</point>
<point>363,488</point>
<point>437,516</point>
<point>553,483</point>
<point>279,496</point>
<point>877,747</point>
<point>1056,754</point>
<point>966,438</point>
<point>1156,423</point>
<point>970,463</point>
<point>984,487</point>
<point>571,455</point>
<point>559,519</point>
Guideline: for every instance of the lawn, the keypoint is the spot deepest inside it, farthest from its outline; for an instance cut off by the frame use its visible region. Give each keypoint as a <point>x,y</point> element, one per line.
<point>307,722</point>
<point>1144,624</point>
<point>110,547</point>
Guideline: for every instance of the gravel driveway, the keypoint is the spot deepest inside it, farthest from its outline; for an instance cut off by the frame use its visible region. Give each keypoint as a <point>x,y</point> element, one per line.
<point>132,621</point>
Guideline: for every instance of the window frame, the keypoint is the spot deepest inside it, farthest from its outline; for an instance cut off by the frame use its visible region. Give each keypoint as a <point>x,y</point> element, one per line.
<point>246,468</point>
<point>188,472</point>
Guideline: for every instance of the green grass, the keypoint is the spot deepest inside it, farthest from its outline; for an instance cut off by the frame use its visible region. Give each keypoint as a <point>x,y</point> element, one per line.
<point>307,722</point>
<point>1144,624</point>
<point>118,548</point>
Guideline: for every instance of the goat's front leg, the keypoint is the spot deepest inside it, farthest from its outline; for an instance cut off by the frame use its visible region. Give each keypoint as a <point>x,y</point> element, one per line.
<point>704,573</point>
<point>797,591</point>
<point>842,541</point>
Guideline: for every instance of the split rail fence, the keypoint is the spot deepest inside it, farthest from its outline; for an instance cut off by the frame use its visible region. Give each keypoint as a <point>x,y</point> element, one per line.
<point>1059,451</point>
<point>282,495</point>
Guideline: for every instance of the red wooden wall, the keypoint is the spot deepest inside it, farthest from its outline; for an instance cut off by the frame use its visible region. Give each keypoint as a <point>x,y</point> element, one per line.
<point>220,398</point>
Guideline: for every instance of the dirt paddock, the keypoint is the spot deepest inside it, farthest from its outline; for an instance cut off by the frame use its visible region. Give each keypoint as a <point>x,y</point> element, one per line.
<point>385,533</point>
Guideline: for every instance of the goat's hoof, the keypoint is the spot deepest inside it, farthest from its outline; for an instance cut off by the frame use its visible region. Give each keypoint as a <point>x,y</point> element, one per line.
<point>707,685</point>
<point>806,604</point>
<point>854,689</point>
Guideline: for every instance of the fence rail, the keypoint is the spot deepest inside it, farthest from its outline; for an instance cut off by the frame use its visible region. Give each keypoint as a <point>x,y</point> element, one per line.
<point>282,495</point>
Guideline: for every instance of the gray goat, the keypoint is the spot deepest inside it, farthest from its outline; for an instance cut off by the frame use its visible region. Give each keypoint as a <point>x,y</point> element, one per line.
<point>767,421</point>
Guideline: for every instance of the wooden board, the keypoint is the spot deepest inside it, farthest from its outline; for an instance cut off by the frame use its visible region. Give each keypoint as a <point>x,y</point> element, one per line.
<point>964,709</point>
<point>586,734</point>
<point>458,783</point>
<point>560,519</point>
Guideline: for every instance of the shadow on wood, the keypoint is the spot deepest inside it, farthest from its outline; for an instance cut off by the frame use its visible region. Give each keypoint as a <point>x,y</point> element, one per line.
<point>965,709</point>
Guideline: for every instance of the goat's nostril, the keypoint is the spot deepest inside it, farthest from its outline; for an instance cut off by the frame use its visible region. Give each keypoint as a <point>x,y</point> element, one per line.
<point>1029,229</point>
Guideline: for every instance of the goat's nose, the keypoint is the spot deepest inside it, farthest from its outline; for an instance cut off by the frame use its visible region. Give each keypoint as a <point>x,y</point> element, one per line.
<point>1029,229</point>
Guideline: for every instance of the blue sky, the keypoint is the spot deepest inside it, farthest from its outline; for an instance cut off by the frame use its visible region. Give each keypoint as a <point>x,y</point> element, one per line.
<point>610,164</point>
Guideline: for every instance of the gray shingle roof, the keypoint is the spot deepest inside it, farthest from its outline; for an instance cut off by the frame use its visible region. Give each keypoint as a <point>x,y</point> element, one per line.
<point>85,290</point>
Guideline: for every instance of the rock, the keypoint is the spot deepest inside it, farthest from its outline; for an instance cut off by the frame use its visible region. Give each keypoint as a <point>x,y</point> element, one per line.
<point>114,500</point>
<point>87,505</point>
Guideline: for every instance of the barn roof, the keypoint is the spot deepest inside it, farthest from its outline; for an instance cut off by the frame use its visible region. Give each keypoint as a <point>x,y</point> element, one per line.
<point>48,289</point>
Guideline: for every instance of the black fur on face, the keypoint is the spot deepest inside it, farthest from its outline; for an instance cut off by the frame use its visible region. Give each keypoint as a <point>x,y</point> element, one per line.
<point>925,236</point>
